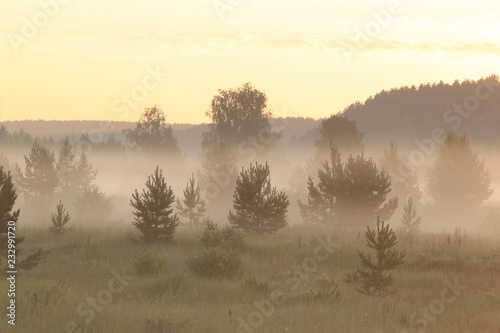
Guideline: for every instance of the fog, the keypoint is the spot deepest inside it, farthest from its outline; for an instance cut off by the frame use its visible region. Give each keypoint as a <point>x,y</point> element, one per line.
<point>122,172</point>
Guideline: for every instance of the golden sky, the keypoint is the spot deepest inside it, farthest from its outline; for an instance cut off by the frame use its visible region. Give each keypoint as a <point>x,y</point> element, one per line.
<point>108,59</point>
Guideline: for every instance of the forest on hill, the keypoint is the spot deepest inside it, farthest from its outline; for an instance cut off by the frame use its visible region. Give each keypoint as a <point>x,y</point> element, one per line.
<point>410,113</point>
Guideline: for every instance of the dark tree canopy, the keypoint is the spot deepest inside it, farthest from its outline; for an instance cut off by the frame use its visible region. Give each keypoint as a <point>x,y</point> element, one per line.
<point>151,134</point>
<point>239,128</point>
<point>322,203</point>
<point>39,180</point>
<point>364,192</point>
<point>258,207</point>
<point>7,201</point>
<point>74,175</point>
<point>8,198</point>
<point>154,215</point>
<point>238,115</point>
<point>353,193</point>
<point>459,178</point>
<point>341,132</point>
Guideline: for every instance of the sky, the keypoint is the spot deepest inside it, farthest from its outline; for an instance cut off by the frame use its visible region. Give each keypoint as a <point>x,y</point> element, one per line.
<point>109,59</point>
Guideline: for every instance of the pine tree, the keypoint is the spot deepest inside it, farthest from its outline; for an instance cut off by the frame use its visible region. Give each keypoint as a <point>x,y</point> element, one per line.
<point>65,167</point>
<point>351,193</point>
<point>459,180</point>
<point>371,275</point>
<point>154,216</point>
<point>411,219</point>
<point>316,209</point>
<point>335,130</point>
<point>39,179</point>
<point>84,173</point>
<point>192,208</point>
<point>321,201</point>
<point>8,198</point>
<point>60,219</point>
<point>259,208</point>
<point>364,192</point>
<point>404,178</point>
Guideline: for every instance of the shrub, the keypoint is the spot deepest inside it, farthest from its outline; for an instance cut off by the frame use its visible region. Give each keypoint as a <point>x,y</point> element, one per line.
<point>92,205</point>
<point>215,264</point>
<point>228,237</point>
<point>148,264</point>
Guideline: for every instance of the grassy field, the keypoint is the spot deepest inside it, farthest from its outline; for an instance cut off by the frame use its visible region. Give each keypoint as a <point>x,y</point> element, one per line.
<point>87,280</point>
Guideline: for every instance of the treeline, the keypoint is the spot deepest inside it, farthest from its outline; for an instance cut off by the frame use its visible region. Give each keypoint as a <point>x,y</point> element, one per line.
<point>341,184</point>
<point>410,113</point>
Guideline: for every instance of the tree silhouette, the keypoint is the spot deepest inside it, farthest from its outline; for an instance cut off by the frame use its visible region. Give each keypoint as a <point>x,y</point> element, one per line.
<point>153,215</point>
<point>258,207</point>
<point>339,131</point>
<point>371,274</point>
<point>411,219</point>
<point>66,167</point>
<point>458,179</point>
<point>404,179</point>
<point>39,179</point>
<point>59,219</point>
<point>85,174</point>
<point>74,175</point>
<point>239,126</point>
<point>151,135</point>
<point>238,115</point>
<point>322,199</point>
<point>218,171</point>
<point>8,198</point>
<point>351,193</point>
<point>193,207</point>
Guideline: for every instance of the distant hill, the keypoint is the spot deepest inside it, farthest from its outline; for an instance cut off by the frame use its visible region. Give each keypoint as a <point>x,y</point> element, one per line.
<point>410,113</point>
<point>57,129</point>
<point>296,132</point>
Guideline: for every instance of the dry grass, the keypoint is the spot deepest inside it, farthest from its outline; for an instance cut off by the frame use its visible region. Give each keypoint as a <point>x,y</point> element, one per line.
<point>79,265</point>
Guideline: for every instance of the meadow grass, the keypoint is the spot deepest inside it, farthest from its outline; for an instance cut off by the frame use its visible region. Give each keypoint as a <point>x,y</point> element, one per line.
<point>79,264</point>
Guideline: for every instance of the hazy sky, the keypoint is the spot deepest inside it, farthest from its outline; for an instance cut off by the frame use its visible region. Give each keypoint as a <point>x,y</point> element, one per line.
<point>107,59</point>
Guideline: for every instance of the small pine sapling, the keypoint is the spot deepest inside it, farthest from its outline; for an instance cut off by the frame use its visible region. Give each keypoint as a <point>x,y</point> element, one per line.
<point>60,219</point>
<point>193,207</point>
<point>370,276</point>
<point>411,220</point>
